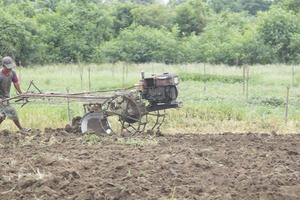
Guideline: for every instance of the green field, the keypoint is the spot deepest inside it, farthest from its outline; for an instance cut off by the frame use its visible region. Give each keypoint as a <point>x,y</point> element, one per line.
<point>212,95</point>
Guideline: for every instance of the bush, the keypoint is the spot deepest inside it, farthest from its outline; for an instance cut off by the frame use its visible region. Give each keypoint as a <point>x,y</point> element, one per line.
<point>141,44</point>
<point>221,40</point>
<point>278,29</point>
<point>16,37</point>
<point>191,17</point>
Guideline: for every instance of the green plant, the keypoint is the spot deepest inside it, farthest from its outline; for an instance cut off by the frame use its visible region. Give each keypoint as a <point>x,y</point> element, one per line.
<point>91,139</point>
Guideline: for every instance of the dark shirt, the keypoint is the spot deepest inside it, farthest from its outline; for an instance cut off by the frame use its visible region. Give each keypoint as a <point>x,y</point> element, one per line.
<point>6,78</point>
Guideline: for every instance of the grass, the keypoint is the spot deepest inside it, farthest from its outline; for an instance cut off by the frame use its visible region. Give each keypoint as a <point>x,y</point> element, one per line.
<point>91,139</point>
<point>210,78</point>
<point>212,102</point>
<point>138,141</point>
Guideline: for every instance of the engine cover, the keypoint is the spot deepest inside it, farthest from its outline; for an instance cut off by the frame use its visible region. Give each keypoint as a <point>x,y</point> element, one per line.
<point>160,89</point>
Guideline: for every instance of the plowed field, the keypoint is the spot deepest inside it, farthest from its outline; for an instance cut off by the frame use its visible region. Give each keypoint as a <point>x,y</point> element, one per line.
<point>57,164</point>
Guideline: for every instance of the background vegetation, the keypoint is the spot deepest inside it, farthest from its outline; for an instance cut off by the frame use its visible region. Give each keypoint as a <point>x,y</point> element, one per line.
<point>232,32</point>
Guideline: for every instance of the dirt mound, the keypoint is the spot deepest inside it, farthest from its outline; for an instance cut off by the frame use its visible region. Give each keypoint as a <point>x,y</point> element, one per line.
<point>61,165</point>
<point>75,126</point>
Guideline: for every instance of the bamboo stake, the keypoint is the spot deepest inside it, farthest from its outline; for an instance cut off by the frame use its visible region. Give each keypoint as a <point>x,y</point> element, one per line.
<point>244,78</point>
<point>293,76</point>
<point>81,77</point>
<point>80,72</point>
<point>126,71</point>
<point>152,66</point>
<point>247,82</point>
<point>113,70</point>
<point>89,76</point>
<point>68,102</point>
<point>123,75</point>
<point>204,75</point>
<point>20,71</point>
<point>287,105</point>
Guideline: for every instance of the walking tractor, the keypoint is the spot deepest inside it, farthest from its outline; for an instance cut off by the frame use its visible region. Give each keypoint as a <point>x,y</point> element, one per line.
<point>135,110</point>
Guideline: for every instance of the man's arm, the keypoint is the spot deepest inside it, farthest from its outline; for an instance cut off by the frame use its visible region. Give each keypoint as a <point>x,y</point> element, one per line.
<point>15,80</point>
<point>18,88</point>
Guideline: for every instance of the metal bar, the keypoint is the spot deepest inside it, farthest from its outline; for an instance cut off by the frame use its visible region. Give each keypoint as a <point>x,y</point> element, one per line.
<point>58,95</point>
<point>62,96</point>
<point>100,91</point>
<point>8,99</point>
<point>29,86</point>
<point>36,87</point>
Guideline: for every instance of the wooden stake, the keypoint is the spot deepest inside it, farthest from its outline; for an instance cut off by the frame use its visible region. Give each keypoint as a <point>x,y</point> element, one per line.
<point>244,78</point>
<point>89,70</point>
<point>247,82</point>
<point>293,76</point>
<point>204,75</point>
<point>69,110</point>
<point>152,65</point>
<point>287,105</point>
<point>20,71</point>
<point>123,76</point>
<point>113,70</point>
<point>126,71</point>
<point>80,72</point>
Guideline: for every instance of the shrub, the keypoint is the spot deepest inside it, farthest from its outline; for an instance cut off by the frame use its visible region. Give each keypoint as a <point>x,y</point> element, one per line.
<point>141,44</point>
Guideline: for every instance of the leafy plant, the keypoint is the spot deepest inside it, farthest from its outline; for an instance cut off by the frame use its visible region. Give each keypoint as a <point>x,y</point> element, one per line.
<point>91,139</point>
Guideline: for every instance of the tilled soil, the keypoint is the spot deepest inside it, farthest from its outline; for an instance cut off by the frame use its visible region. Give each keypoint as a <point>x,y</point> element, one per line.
<point>56,164</point>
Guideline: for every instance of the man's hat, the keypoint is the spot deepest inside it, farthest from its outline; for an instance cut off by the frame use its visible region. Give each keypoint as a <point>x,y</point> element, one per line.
<point>8,62</point>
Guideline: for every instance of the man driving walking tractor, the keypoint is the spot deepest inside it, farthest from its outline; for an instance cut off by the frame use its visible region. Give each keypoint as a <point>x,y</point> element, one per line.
<point>8,76</point>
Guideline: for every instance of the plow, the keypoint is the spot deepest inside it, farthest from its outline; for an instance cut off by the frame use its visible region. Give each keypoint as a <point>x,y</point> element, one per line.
<point>138,109</point>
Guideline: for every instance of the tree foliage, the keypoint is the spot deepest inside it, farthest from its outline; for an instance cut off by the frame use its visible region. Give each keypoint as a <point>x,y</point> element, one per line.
<point>250,6</point>
<point>141,44</point>
<point>191,17</point>
<point>279,29</point>
<point>232,32</point>
<point>155,15</point>
<point>292,5</point>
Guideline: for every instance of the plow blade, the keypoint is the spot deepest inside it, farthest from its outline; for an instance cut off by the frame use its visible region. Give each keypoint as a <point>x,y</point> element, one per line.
<point>95,122</point>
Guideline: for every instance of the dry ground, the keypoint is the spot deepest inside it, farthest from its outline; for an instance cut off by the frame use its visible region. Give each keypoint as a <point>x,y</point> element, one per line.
<point>56,164</point>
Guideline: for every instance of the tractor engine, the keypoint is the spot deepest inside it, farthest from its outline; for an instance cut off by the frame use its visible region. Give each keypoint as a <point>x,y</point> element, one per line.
<point>160,91</point>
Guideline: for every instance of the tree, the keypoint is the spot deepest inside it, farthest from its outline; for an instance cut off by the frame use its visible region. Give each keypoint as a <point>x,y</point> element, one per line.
<point>123,17</point>
<point>221,40</point>
<point>253,6</point>
<point>175,2</point>
<point>154,15</point>
<point>250,6</point>
<point>73,32</point>
<point>16,37</point>
<point>252,48</point>
<point>294,46</point>
<point>141,44</point>
<point>277,28</point>
<point>191,17</point>
<point>291,5</point>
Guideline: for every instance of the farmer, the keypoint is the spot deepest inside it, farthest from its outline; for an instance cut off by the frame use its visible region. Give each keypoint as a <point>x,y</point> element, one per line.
<point>7,76</point>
